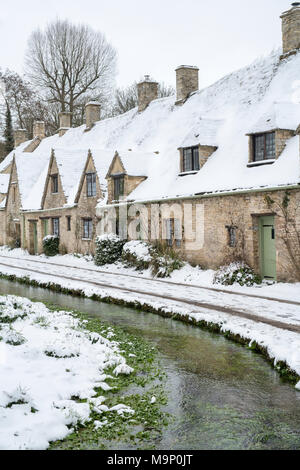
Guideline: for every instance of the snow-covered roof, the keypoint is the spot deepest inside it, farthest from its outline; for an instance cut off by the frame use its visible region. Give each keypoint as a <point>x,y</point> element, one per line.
<point>137,163</point>
<point>257,97</point>
<point>278,116</point>
<point>204,132</point>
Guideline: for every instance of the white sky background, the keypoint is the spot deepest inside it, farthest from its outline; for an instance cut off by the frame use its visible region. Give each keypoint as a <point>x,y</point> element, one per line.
<point>155,36</point>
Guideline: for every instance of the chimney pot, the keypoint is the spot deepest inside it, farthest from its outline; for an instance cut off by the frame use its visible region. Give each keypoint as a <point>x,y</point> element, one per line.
<point>147,92</point>
<point>92,113</point>
<point>187,81</point>
<point>20,136</point>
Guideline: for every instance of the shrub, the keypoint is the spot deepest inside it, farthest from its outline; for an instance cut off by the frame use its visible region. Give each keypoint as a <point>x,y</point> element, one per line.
<point>236,273</point>
<point>164,260</point>
<point>108,249</point>
<point>137,254</point>
<point>51,245</point>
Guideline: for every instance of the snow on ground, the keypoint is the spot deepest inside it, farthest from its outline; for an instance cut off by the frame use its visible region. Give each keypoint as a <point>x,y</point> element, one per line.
<point>45,359</point>
<point>186,275</point>
<point>281,344</point>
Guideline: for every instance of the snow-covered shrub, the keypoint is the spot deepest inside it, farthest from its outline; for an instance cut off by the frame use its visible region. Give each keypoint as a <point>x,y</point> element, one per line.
<point>236,273</point>
<point>137,254</point>
<point>164,260</point>
<point>108,249</point>
<point>51,245</point>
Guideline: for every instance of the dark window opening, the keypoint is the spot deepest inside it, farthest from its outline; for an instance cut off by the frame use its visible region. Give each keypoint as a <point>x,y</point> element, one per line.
<point>54,184</point>
<point>231,235</point>
<point>173,232</point>
<point>68,223</point>
<point>191,159</point>
<point>118,187</point>
<point>55,227</point>
<point>87,229</point>
<point>264,147</point>
<point>91,184</point>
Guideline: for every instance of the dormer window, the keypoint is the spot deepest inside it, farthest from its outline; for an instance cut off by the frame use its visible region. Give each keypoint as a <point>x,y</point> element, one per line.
<point>190,161</point>
<point>91,184</point>
<point>264,147</point>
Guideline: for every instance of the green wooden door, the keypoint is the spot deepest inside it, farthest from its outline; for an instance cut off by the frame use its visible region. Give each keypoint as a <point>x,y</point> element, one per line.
<point>268,247</point>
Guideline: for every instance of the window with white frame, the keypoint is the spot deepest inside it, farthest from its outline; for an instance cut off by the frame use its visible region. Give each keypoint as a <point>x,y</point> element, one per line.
<point>190,160</point>
<point>55,226</point>
<point>87,225</point>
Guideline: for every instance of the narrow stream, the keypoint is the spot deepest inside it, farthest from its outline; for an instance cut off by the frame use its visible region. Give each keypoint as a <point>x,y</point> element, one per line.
<point>221,395</point>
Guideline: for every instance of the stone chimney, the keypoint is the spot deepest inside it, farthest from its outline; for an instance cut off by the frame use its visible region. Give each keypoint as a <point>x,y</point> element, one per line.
<point>187,81</point>
<point>20,136</point>
<point>64,122</point>
<point>39,129</point>
<point>147,92</point>
<point>92,113</point>
<point>291,30</point>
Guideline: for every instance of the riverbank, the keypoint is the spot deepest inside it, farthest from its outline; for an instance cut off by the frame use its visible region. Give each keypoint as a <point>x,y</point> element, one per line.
<point>62,374</point>
<point>280,347</point>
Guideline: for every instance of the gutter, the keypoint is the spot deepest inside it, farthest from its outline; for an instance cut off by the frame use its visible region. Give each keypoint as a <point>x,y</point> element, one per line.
<point>206,195</point>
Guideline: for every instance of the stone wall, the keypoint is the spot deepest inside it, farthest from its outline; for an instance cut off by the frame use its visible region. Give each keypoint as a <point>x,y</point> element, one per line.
<point>241,211</point>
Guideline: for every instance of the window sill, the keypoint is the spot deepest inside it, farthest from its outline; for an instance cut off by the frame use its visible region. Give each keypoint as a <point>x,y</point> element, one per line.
<point>262,162</point>
<point>86,239</point>
<point>186,173</point>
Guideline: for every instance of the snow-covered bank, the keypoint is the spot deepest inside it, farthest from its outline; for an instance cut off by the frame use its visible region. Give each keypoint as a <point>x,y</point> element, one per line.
<point>278,344</point>
<point>46,358</point>
<point>186,275</point>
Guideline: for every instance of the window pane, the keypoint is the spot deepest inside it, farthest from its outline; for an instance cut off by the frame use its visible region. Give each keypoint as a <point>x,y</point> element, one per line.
<point>270,145</point>
<point>55,227</point>
<point>187,160</point>
<point>259,147</point>
<point>196,166</point>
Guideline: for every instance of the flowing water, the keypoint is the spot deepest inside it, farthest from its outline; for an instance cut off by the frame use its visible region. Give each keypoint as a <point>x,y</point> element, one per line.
<point>220,394</point>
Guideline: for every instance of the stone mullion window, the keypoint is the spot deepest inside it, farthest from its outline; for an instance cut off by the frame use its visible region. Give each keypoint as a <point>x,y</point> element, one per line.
<point>91,184</point>
<point>264,147</point>
<point>190,159</point>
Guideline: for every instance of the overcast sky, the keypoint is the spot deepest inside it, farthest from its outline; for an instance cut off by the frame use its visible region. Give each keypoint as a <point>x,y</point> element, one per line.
<point>155,36</point>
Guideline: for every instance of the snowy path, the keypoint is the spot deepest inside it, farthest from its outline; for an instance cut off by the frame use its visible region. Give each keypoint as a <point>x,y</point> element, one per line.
<point>284,314</point>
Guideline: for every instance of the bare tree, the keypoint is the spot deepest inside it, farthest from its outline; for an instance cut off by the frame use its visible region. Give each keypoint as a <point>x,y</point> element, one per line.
<point>26,105</point>
<point>70,63</point>
<point>127,98</point>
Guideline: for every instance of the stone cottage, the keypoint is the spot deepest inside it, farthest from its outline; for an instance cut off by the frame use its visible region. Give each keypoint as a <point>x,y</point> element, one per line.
<point>223,162</point>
